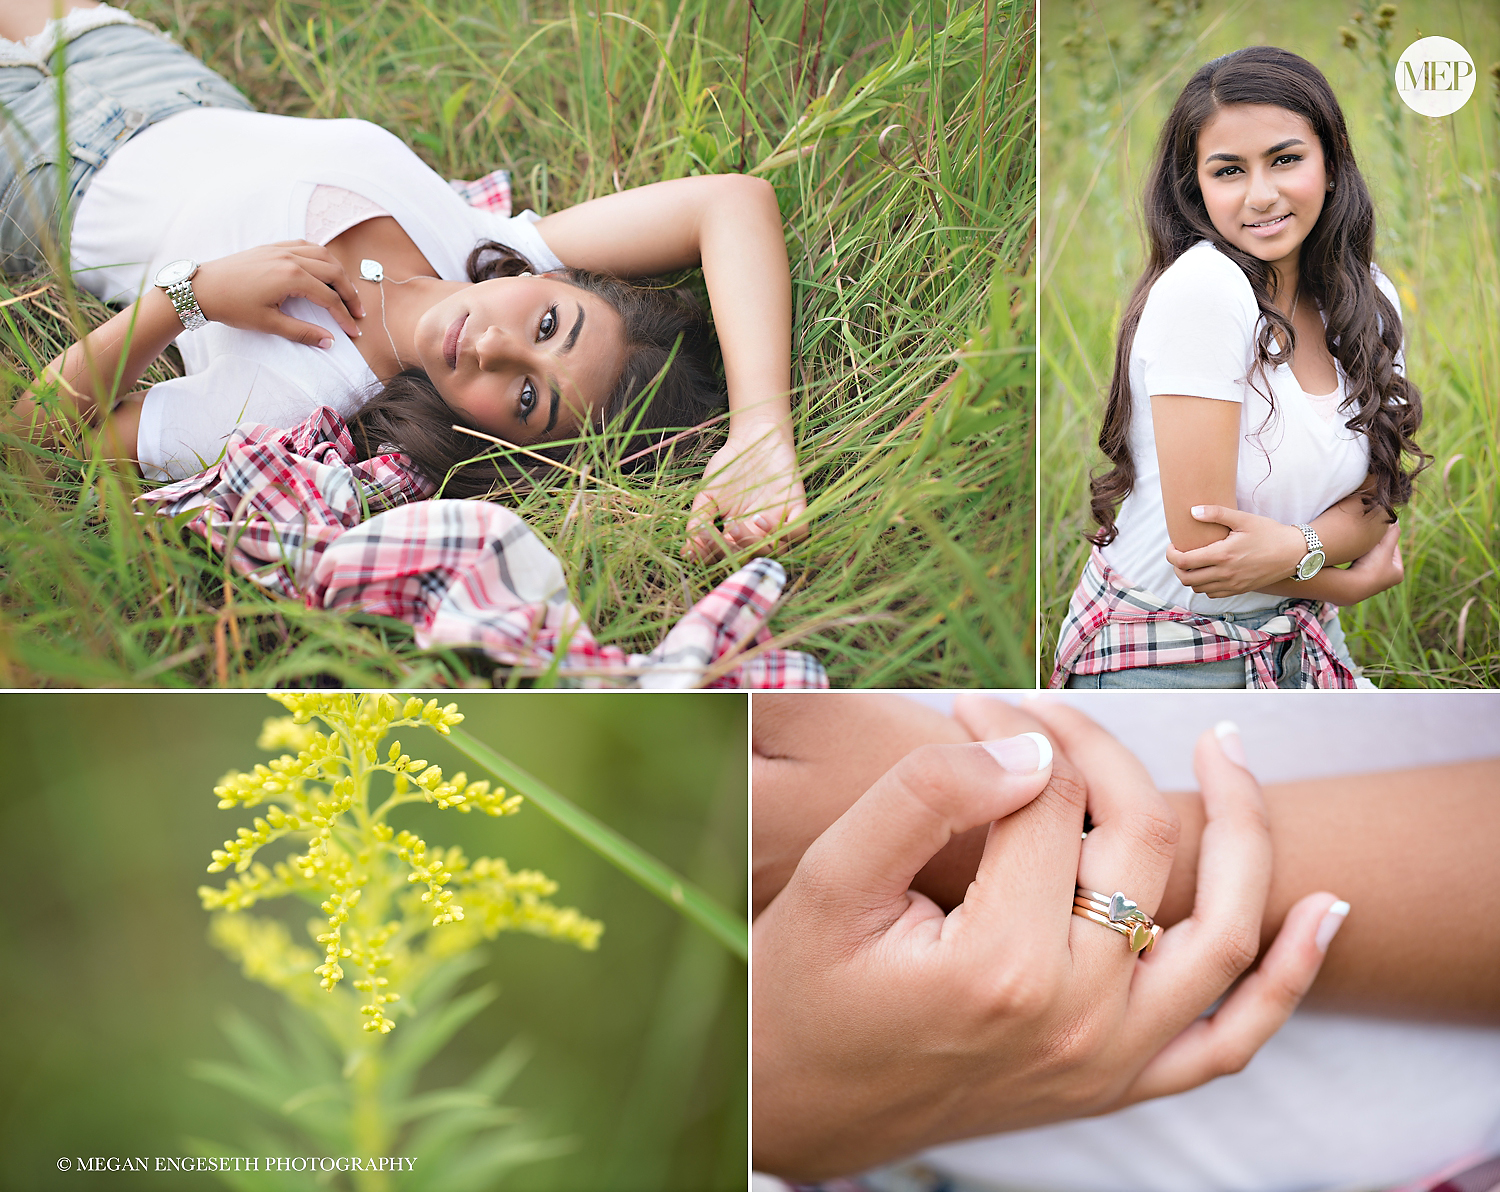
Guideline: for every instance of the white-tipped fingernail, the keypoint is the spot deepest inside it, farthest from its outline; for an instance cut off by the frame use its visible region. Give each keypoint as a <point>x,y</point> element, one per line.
<point>1228,734</point>
<point>325,344</point>
<point>1333,919</point>
<point>1030,753</point>
<point>1198,510</point>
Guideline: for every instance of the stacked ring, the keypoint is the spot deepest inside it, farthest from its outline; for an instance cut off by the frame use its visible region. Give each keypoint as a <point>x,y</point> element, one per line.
<point>1118,913</point>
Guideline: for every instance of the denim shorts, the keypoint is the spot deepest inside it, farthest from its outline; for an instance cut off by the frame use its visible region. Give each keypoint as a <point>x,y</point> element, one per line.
<point>118,79</point>
<point>1285,658</point>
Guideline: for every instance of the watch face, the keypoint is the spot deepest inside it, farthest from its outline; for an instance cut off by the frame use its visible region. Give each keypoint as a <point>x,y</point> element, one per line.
<point>176,271</point>
<point>1311,564</point>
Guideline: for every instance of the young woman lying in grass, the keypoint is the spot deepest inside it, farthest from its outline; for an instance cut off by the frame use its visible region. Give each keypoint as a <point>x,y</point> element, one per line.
<point>300,263</point>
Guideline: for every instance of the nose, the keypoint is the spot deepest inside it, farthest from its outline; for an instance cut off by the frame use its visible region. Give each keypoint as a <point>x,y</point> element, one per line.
<point>498,348</point>
<point>1263,192</point>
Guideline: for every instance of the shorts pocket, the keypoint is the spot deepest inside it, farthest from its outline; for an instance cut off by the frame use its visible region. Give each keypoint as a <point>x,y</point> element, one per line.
<point>32,202</point>
<point>212,91</point>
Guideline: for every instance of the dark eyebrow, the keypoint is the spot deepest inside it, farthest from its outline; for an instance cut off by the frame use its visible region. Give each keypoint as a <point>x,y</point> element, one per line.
<point>1271,152</point>
<point>552,414</point>
<point>573,334</point>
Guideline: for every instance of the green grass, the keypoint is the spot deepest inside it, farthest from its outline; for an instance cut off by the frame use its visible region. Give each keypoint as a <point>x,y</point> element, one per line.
<point>910,268</point>
<point>1110,74</point>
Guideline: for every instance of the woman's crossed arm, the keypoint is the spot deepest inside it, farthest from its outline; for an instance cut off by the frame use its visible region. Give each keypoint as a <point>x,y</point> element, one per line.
<point>1220,551</point>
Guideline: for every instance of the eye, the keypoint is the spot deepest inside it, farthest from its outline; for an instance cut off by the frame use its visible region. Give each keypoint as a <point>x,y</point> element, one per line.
<point>1287,158</point>
<point>1226,171</point>
<point>548,324</point>
<point>528,400</point>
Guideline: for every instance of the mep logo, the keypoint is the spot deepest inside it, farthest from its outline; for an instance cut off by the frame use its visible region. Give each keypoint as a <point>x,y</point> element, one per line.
<point>1435,76</point>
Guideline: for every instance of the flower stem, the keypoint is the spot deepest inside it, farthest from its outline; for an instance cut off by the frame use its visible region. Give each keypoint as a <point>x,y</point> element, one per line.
<point>720,922</point>
<point>367,1127</point>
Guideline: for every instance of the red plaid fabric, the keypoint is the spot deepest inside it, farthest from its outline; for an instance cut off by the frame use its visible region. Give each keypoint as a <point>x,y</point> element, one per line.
<point>295,512</point>
<point>492,192</point>
<point>1112,626</point>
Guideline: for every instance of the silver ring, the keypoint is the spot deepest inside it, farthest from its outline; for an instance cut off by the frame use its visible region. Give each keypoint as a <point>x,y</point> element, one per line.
<point>1118,913</point>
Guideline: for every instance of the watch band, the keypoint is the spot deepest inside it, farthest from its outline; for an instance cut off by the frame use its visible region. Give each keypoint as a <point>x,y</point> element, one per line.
<point>1314,547</point>
<point>186,304</point>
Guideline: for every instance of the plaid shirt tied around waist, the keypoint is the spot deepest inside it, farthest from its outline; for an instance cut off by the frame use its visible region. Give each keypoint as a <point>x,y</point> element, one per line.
<point>1112,626</point>
<point>297,513</point>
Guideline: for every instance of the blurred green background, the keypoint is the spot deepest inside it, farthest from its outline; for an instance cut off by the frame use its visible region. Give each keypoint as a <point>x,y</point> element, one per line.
<point>109,988</point>
<point>1110,73</point>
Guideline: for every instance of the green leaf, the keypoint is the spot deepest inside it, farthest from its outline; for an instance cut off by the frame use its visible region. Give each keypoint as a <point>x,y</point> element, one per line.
<point>454,102</point>
<point>422,1036</point>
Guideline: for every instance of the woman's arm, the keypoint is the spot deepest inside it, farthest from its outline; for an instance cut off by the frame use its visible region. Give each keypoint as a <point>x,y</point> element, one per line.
<point>1197,453</point>
<point>92,373</point>
<point>731,226</point>
<point>1411,850</point>
<point>244,290</point>
<point>1257,547</point>
<point>1220,551</point>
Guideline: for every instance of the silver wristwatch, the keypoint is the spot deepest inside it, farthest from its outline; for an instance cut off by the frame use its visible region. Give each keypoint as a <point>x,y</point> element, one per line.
<point>1312,562</point>
<point>176,278</point>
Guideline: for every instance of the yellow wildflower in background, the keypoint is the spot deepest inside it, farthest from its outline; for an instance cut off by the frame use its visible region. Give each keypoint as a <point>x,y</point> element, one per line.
<point>392,904</point>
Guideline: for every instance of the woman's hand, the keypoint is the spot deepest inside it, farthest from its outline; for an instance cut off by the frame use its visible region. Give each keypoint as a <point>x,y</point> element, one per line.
<point>1258,552</point>
<point>1381,568</point>
<point>246,290</point>
<point>883,1026</point>
<point>753,483</point>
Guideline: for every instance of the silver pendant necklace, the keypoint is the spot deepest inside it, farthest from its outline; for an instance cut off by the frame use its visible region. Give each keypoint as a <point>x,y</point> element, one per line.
<point>373,270</point>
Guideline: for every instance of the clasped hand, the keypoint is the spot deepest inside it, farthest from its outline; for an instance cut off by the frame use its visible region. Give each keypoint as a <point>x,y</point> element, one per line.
<point>246,290</point>
<point>882,1025</point>
<point>1261,552</point>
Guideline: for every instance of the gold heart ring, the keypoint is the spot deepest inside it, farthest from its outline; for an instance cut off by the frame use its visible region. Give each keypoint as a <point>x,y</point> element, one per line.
<point>1118,913</point>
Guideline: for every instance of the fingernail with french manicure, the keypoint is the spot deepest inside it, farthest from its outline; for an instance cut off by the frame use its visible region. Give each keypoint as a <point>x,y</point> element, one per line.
<point>1198,510</point>
<point>1228,734</point>
<point>1333,919</point>
<point>1029,753</point>
<point>325,344</point>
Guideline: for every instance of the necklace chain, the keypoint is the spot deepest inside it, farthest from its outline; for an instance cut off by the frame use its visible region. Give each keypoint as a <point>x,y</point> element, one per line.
<point>373,270</point>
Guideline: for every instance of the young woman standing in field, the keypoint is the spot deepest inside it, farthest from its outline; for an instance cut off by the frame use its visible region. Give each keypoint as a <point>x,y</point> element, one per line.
<point>267,247</point>
<point>1259,419</point>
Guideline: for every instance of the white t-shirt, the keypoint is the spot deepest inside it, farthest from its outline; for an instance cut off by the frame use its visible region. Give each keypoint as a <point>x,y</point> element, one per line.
<point>1331,1101</point>
<point>214,181</point>
<point>1196,337</point>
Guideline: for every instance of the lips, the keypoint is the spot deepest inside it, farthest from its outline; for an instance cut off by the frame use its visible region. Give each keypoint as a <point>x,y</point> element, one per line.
<point>1268,227</point>
<point>450,340</point>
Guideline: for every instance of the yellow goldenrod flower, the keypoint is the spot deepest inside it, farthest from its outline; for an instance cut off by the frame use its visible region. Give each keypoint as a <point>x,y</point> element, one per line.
<point>387,898</point>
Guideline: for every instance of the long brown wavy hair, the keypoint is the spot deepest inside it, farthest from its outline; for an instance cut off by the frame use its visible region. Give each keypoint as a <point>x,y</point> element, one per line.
<point>1363,328</point>
<point>668,382</point>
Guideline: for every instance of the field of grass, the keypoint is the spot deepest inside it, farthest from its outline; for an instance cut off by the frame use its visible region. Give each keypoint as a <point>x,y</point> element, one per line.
<point>911,262</point>
<point>1109,76</point>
